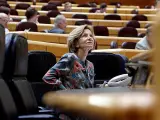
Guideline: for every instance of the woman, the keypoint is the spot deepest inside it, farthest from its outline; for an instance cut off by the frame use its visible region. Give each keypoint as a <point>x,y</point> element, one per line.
<point>73,71</point>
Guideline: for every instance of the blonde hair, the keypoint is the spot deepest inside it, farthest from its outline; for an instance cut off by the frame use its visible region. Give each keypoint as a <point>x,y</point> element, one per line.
<point>75,35</point>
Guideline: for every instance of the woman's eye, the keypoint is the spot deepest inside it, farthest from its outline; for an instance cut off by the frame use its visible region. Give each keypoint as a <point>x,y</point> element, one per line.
<point>85,35</point>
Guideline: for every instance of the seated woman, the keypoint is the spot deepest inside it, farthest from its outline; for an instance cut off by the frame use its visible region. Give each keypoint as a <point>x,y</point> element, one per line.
<point>31,15</point>
<point>73,71</point>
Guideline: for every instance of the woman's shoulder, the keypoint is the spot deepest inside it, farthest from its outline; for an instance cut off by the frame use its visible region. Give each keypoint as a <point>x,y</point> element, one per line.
<point>69,56</point>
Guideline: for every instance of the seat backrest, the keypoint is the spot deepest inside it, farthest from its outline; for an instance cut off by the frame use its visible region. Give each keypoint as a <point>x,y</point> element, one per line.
<point>133,23</point>
<point>140,17</point>
<point>135,11</point>
<point>2,47</point>
<point>83,22</point>
<point>22,6</point>
<point>57,3</point>
<point>141,35</point>
<point>112,65</point>
<point>4,9</point>
<point>128,32</point>
<point>93,10</point>
<point>112,17</point>
<point>44,19</point>
<point>53,13</point>
<point>16,19</point>
<point>71,1</point>
<point>5,4</point>
<point>8,109</point>
<point>39,62</point>
<point>27,25</point>
<point>13,12</point>
<point>16,59</point>
<point>128,45</point>
<point>101,31</point>
<point>48,7</point>
<point>84,5</point>
<point>80,16</point>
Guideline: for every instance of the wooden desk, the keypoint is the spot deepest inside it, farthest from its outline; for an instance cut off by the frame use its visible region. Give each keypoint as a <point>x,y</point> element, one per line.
<point>126,52</point>
<point>91,15</point>
<point>113,31</point>
<point>109,10</point>
<point>108,23</point>
<point>103,42</point>
<point>57,49</point>
<point>103,105</point>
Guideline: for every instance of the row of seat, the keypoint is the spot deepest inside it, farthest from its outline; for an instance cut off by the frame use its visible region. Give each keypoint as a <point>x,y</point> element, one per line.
<point>74,5</point>
<point>71,21</point>
<point>99,30</point>
<point>101,16</point>
<point>84,9</point>
<point>60,49</point>
<point>103,42</point>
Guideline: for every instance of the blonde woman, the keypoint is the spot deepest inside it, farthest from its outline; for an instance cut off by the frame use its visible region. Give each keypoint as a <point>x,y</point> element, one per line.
<point>73,71</point>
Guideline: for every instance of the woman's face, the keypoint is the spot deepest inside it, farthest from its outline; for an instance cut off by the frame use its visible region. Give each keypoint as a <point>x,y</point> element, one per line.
<point>86,40</point>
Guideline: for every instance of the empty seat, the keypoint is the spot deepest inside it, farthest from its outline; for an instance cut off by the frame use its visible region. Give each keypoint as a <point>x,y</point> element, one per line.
<point>93,10</point>
<point>2,47</point>
<point>57,3</point>
<point>83,22</point>
<point>127,32</point>
<point>53,13</point>
<point>140,18</point>
<point>149,7</point>
<point>13,12</point>
<point>5,10</point>
<point>39,62</point>
<point>5,4</point>
<point>25,0</point>
<point>22,6</point>
<point>133,23</point>
<point>141,35</point>
<point>27,26</point>
<point>44,19</point>
<point>128,45</point>
<point>84,5</point>
<point>101,31</point>
<point>80,16</point>
<point>112,17</point>
<point>112,65</point>
<point>117,4</point>
<point>71,1</point>
<point>48,7</point>
<point>16,19</point>
<point>135,11</point>
<point>113,45</point>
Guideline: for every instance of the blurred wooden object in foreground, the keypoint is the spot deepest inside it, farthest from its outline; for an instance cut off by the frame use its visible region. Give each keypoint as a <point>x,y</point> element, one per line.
<point>104,106</point>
